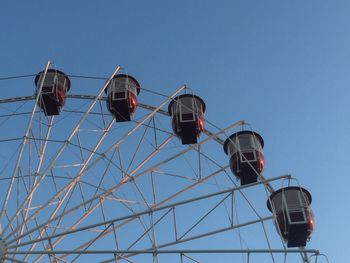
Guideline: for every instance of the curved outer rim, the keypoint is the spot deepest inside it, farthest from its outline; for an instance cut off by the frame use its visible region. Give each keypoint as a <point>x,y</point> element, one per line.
<point>288,188</point>
<point>257,135</point>
<point>138,87</point>
<point>183,96</point>
<point>52,70</point>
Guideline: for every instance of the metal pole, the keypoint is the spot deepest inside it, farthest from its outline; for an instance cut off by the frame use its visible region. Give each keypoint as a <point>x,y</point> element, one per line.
<point>36,173</point>
<point>98,159</point>
<point>25,137</point>
<point>59,152</point>
<point>143,213</point>
<point>111,190</point>
<point>173,251</point>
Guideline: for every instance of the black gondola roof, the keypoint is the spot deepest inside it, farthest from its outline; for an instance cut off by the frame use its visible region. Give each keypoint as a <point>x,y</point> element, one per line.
<point>243,132</point>
<point>183,96</point>
<point>138,87</point>
<point>288,188</point>
<point>52,70</point>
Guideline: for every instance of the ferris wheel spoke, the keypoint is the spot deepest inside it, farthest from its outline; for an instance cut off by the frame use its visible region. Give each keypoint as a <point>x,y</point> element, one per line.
<point>68,190</point>
<point>30,236</point>
<point>12,113</point>
<point>156,208</point>
<point>8,218</point>
<point>149,229</point>
<point>56,259</point>
<point>126,179</point>
<point>100,202</point>
<point>188,257</point>
<point>104,174</point>
<point>61,201</point>
<point>78,254</point>
<point>145,228</point>
<point>63,236</point>
<point>141,194</point>
<point>204,216</point>
<point>304,255</point>
<point>43,229</point>
<point>27,185</point>
<point>24,141</point>
<point>77,178</point>
<point>138,146</point>
<point>101,234</point>
<point>14,260</point>
<point>59,152</point>
<point>118,256</point>
<point>238,226</point>
<point>105,232</point>
<point>40,235</point>
<point>129,253</point>
<point>23,219</point>
<point>268,241</point>
<point>199,181</point>
<point>36,172</point>
<point>113,146</point>
<point>135,215</point>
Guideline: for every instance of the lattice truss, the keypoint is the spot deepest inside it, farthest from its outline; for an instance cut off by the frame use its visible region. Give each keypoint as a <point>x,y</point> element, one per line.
<point>79,185</point>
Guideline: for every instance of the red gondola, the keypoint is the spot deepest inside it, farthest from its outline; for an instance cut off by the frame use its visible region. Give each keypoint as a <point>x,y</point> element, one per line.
<point>122,94</point>
<point>246,156</point>
<point>187,117</point>
<point>294,218</point>
<point>55,85</point>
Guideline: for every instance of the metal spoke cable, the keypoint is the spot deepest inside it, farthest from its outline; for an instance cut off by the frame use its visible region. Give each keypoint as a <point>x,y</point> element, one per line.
<point>150,210</point>
<point>54,218</point>
<point>64,145</point>
<point>42,225</point>
<point>17,77</point>
<point>19,157</point>
<point>138,146</point>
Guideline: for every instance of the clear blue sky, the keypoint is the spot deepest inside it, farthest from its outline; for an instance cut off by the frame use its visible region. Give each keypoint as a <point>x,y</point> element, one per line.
<point>283,66</point>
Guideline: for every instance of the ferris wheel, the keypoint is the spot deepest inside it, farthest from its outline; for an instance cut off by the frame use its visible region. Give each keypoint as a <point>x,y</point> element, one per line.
<point>126,174</point>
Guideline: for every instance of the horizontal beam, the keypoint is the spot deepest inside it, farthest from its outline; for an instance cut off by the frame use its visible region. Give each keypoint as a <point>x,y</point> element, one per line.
<point>148,211</point>
<point>173,251</point>
<point>92,97</point>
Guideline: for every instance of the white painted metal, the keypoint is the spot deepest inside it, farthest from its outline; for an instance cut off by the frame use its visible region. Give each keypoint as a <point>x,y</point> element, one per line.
<point>84,212</point>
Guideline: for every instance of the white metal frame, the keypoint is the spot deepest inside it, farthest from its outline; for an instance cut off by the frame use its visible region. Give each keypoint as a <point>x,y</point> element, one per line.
<point>23,241</point>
